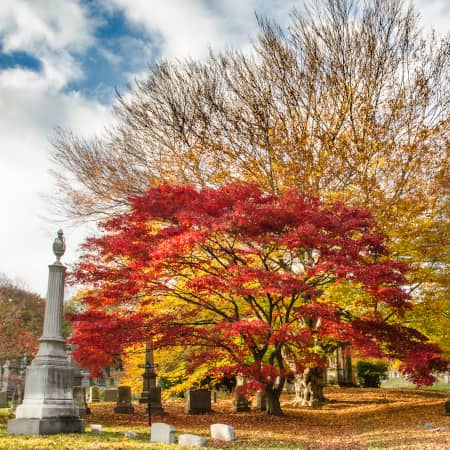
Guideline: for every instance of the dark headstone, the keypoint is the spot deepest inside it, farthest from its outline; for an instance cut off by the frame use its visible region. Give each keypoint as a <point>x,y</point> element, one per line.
<point>447,408</point>
<point>240,403</point>
<point>198,401</point>
<point>124,405</point>
<point>110,395</point>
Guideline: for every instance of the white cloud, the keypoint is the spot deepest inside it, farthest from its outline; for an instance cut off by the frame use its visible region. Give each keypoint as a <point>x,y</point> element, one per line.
<point>435,14</point>
<point>189,28</point>
<point>33,110</point>
<point>32,103</point>
<point>51,31</point>
<point>57,33</point>
<point>186,28</point>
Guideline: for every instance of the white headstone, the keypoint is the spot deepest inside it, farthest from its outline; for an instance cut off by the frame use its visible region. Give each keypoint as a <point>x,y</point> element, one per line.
<point>96,428</point>
<point>191,440</point>
<point>131,434</point>
<point>163,433</point>
<point>222,432</point>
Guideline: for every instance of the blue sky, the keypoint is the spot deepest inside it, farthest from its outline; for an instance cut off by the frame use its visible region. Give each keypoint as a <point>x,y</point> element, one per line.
<point>60,62</point>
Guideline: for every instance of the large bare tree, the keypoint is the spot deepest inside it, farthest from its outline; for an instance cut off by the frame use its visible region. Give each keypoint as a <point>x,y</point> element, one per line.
<point>350,102</point>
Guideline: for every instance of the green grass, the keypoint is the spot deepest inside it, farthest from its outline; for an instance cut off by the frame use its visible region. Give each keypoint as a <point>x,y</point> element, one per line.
<point>443,387</point>
<point>112,439</point>
<point>401,383</point>
<point>3,415</point>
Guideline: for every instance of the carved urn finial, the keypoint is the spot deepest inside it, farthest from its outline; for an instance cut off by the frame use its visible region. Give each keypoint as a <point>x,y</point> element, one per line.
<point>59,246</point>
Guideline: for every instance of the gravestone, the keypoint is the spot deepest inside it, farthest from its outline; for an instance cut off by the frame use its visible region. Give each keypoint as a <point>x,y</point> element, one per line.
<point>260,401</point>
<point>3,399</point>
<point>78,391</point>
<point>94,394</point>
<point>48,406</point>
<point>85,381</point>
<point>447,408</point>
<point>191,440</point>
<point>198,401</point>
<point>10,376</point>
<point>151,393</point>
<point>123,405</point>
<point>131,434</point>
<point>110,395</point>
<point>17,398</point>
<point>96,428</point>
<point>79,398</point>
<point>162,433</point>
<point>222,432</point>
<point>240,403</point>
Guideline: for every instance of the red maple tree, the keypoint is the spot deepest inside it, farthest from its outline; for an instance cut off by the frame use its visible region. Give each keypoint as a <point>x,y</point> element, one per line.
<point>246,280</point>
<point>21,320</point>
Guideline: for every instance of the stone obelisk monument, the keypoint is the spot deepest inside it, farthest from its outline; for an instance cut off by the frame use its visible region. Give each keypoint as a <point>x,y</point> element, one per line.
<point>48,406</point>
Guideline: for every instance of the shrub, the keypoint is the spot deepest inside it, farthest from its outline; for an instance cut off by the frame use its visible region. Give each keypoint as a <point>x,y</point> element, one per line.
<point>370,374</point>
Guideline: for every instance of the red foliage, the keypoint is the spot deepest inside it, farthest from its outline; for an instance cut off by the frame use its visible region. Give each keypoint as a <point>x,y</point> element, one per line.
<point>246,274</point>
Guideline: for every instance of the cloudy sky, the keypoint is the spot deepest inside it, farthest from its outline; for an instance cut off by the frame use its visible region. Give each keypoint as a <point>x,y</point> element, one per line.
<point>60,61</point>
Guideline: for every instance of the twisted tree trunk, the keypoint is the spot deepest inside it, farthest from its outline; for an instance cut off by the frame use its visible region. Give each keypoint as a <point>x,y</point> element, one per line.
<point>309,387</point>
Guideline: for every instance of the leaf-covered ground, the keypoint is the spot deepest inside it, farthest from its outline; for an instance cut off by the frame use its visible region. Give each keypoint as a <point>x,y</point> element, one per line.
<point>353,419</point>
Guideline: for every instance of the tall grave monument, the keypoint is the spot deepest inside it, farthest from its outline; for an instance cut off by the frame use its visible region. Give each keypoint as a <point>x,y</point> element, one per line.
<point>48,406</point>
<point>151,393</point>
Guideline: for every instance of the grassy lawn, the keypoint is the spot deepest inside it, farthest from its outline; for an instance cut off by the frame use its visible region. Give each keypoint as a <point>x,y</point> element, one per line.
<point>353,419</point>
<point>401,383</point>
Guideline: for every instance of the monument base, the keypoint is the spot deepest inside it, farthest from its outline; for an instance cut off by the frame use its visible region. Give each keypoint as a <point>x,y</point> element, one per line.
<point>58,425</point>
<point>156,410</point>
<point>122,409</point>
<point>155,400</point>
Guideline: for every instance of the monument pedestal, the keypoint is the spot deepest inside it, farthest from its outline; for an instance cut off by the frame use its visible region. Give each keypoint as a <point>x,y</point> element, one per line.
<point>155,400</point>
<point>46,426</point>
<point>48,406</point>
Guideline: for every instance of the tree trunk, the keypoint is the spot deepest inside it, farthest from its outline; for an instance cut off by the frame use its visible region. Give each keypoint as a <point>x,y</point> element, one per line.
<point>273,406</point>
<point>309,387</point>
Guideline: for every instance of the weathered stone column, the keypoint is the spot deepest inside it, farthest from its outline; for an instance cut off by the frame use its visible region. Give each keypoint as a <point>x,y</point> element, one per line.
<point>48,406</point>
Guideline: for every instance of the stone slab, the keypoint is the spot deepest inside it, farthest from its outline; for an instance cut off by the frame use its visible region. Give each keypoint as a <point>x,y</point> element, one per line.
<point>124,409</point>
<point>191,440</point>
<point>131,434</point>
<point>240,404</point>
<point>45,426</point>
<point>198,401</point>
<point>222,432</point>
<point>162,433</point>
<point>110,395</point>
<point>94,394</point>
<point>96,428</point>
